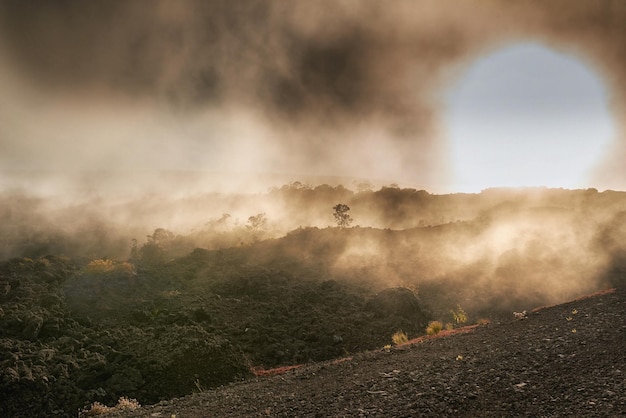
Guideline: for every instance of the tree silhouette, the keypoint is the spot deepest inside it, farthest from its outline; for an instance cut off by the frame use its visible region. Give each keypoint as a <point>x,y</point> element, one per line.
<point>256,222</point>
<point>342,217</point>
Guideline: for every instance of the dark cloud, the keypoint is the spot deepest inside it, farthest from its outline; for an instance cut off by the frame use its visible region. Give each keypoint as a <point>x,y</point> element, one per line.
<point>200,52</point>
<point>331,73</point>
<point>311,73</point>
<point>136,47</point>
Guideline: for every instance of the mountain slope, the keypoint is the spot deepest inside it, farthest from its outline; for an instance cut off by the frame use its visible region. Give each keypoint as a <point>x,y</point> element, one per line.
<point>565,360</point>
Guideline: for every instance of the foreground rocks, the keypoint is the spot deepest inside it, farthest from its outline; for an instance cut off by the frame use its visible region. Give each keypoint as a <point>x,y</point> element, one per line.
<point>561,361</point>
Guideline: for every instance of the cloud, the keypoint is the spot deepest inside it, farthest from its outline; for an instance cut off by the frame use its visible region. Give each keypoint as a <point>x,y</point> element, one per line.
<point>328,87</point>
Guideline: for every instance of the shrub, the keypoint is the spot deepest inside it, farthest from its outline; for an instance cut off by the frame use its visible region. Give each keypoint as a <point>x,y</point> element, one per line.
<point>434,327</point>
<point>460,317</point>
<point>104,266</point>
<point>399,337</point>
<point>99,266</point>
<point>123,404</point>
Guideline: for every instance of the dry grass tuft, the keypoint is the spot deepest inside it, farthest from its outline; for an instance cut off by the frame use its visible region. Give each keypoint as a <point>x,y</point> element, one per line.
<point>123,404</point>
<point>399,337</point>
<point>434,327</point>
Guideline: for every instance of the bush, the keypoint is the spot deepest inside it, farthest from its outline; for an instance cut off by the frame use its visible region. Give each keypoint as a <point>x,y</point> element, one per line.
<point>460,317</point>
<point>434,327</point>
<point>123,404</point>
<point>399,337</point>
<point>105,266</point>
<point>99,266</point>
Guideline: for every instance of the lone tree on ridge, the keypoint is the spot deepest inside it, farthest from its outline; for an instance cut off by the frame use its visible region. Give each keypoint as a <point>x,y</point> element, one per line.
<point>342,217</point>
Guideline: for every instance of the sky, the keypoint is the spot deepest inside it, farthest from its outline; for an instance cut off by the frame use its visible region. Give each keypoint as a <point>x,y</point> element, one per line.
<point>531,115</point>
<point>441,95</point>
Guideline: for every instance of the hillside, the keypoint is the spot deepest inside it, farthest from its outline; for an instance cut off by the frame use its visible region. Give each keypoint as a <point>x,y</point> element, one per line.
<point>564,360</point>
<point>183,313</point>
<point>98,223</point>
<point>72,334</point>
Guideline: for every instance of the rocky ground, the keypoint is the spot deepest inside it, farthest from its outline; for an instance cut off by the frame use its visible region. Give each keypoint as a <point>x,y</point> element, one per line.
<point>561,361</point>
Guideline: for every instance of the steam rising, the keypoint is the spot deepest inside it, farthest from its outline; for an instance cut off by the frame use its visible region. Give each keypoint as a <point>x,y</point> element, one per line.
<point>532,248</point>
<point>100,97</point>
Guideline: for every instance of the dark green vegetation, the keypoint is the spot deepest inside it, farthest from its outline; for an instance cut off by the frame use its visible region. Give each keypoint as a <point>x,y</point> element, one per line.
<point>76,336</point>
<point>170,318</point>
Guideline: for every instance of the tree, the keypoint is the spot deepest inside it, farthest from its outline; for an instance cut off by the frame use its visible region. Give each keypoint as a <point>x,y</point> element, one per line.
<point>364,186</point>
<point>160,236</point>
<point>256,222</point>
<point>342,217</point>
<point>159,243</point>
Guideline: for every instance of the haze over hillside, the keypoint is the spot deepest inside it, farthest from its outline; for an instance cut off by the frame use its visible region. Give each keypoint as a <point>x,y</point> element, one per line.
<point>553,237</point>
<point>194,191</point>
<point>99,302</point>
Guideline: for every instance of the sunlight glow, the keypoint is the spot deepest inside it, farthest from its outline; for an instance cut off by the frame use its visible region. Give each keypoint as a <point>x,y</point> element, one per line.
<point>527,116</point>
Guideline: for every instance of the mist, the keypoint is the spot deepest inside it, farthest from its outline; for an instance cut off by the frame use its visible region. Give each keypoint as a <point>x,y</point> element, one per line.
<point>120,118</point>
<point>498,250</point>
<point>332,89</point>
<point>523,248</point>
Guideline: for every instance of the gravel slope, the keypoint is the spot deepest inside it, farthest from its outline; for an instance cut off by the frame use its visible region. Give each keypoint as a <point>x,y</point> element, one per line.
<point>562,361</point>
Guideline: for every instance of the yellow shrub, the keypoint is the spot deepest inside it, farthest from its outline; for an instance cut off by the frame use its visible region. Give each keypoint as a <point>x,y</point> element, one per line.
<point>434,327</point>
<point>102,266</point>
<point>99,266</point>
<point>460,317</point>
<point>123,404</point>
<point>399,337</point>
